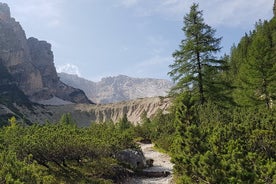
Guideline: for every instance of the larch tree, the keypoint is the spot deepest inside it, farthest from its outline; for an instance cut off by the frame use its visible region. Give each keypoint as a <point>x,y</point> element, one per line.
<point>195,66</point>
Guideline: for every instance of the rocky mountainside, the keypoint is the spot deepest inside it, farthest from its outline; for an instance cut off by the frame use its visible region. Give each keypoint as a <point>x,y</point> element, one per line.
<point>119,88</point>
<point>10,94</point>
<point>28,74</point>
<point>84,114</point>
<point>30,64</point>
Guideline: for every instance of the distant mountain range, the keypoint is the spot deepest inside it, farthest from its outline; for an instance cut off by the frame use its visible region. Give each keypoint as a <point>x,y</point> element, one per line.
<point>32,91</point>
<point>29,68</point>
<point>119,88</point>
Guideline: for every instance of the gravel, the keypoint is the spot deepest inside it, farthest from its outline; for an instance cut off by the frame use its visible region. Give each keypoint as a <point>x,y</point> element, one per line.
<point>161,163</point>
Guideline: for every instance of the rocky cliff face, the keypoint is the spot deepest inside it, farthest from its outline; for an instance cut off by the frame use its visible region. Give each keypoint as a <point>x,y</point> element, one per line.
<point>30,63</point>
<point>119,88</point>
<point>43,59</point>
<point>27,71</point>
<point>85,114</point>
<point>14,53</point>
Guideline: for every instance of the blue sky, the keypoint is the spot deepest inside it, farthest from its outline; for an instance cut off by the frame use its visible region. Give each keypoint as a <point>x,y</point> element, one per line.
<point>100,38</point>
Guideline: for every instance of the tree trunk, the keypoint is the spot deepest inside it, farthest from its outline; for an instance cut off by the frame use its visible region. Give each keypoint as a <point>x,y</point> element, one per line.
<point>200,80</point>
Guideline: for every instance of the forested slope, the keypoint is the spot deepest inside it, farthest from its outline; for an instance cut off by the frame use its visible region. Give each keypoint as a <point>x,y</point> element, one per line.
<point>223,116</point>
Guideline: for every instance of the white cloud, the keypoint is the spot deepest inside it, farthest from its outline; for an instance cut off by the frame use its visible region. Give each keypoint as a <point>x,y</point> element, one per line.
<point>69,68</point>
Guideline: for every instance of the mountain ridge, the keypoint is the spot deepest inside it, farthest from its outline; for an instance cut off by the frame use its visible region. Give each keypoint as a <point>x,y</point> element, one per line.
<point>30,62</point>
<point>118,88</point>
<point>31,91</point>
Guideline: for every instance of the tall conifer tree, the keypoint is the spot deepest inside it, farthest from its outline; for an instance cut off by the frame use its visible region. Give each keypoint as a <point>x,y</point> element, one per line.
<point>195,65</point>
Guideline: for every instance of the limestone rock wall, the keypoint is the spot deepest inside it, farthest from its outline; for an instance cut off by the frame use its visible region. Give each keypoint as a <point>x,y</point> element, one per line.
<point>14,53</point>
<point>31,63</point>
<point>85,114</point>
<point>42,58</point>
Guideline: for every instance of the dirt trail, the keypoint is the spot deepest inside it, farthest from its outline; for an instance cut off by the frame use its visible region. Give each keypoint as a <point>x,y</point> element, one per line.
<point>161,163</point>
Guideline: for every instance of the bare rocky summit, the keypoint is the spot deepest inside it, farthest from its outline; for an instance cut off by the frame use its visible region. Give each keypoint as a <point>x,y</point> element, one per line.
<point>30,63</point>
<point>119,88</point>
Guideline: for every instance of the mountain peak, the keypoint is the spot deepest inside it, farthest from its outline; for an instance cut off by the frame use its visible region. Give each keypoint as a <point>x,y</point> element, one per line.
<point>30,62</point>
<point>114,77</point>
<point>4,12</point>
<point>118,88</point>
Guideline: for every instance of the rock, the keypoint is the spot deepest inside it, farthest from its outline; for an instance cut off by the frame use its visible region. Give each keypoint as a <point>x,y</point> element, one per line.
<point>4,12</point>
<point>145,141</point>
<point>153,174</point>
<point>43,59</point>
<point>160,173</point>
<point>134,159</point>
<point>119,174</point>
<point>85,114</point>
<point>14,53</point>
<point>31,63</point>
<point>149,162</point>
<point>119,88</point>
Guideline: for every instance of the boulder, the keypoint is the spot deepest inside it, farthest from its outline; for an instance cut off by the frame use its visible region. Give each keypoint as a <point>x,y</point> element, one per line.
<point>134,159</point>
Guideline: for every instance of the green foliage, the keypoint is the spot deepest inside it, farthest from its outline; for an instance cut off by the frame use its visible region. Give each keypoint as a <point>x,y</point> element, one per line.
<point>124,124</point>
<point>61,152</point>
<point>13,170</point>
<point>145,129</point>
<point>217,141</point>
<point>67,119</point>
<point>164,131</point>
<point>158,129</point>
<point>227,147</point>
<point>254,64</point>
<point>196,67</point>
<point>210,140</point>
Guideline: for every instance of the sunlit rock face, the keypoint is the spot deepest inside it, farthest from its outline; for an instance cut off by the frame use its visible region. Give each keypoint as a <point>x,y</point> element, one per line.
<point>31,63</point>
<point>15,55</point>
<point>119,88</point>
